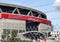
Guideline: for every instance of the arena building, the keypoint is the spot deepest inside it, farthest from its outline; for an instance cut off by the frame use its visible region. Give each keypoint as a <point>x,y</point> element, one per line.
<point>26,20</point>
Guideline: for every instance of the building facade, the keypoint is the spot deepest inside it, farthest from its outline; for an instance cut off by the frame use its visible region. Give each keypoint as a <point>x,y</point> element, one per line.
<point>25,20</point>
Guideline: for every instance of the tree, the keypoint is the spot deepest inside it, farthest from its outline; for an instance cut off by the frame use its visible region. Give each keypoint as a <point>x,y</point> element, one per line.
<point>10,38</point>
<point>3,36</point>
<point>13,35</point>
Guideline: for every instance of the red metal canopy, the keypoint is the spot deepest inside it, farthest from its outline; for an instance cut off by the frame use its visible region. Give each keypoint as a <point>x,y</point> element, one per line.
<point>24,17</point>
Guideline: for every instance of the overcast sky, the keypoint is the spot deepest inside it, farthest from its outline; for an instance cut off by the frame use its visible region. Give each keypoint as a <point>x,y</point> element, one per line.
<point>46,6</point>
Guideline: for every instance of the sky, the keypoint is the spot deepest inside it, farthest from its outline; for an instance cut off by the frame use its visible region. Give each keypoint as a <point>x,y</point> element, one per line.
<point>46,6</point>
<point>57,1</point>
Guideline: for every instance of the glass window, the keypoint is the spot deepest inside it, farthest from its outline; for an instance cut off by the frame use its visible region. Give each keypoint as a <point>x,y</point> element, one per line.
<point>31,26</point>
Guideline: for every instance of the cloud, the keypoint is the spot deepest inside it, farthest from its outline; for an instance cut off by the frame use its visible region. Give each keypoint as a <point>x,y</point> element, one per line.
<point>57,1</point>
<point>57,4</point>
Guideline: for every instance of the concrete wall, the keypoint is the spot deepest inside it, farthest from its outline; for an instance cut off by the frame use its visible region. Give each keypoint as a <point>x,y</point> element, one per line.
<point>12,24</point>
<point>44,27</point>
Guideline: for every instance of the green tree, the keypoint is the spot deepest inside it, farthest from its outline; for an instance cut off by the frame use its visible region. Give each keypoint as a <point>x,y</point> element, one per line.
<point>3,36</point>
<point>13,35</point>
<point>10,38</point>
